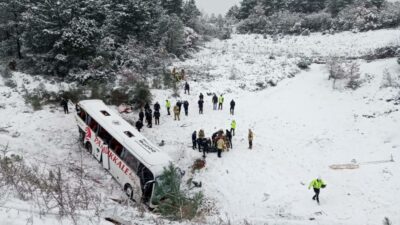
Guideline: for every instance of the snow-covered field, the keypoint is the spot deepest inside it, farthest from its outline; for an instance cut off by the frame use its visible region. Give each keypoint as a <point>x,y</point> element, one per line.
<point>301,127</point>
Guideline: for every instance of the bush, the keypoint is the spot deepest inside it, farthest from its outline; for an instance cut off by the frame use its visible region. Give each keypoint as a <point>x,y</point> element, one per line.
<point>304,63</point>
<point>74,94</point>
<point>6,72</point>
<point>317,21</point>
<point>10,83</point>
<point>389,81</point>
<point>173,202</point>
<point>119,96</point>
<point>141,95</point>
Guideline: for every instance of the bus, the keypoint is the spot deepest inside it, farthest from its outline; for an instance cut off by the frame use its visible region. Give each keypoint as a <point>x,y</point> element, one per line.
<point>133,161</point>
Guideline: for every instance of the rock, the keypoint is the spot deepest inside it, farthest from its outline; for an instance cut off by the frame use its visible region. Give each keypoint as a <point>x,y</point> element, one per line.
<point>16,134</point>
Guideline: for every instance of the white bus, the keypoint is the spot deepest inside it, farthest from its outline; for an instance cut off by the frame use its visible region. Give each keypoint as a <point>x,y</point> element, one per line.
<point>130,158</point>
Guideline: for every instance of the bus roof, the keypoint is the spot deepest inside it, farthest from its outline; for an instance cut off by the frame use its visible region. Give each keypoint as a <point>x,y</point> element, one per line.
<point>127,135</point>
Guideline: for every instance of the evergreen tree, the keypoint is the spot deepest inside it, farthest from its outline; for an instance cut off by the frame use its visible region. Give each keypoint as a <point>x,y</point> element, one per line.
<point>272,6</point>
<point>246,6</point>
<point>11,27</point>
<point>173,6</point>
<point>233,12</point>
<point>170,34</point>
<point>190,14</point>
<point>335,6</point>
<point>306,6</point>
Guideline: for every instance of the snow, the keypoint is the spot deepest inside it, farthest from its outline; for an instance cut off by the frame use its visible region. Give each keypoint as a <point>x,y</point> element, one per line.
<point>302,126</point>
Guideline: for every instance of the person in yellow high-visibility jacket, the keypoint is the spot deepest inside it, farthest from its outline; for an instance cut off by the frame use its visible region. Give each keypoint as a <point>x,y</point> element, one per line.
<point>317,184</point>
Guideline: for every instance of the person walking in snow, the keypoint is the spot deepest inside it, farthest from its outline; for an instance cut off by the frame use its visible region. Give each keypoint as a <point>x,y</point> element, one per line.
<point>220,102</point>
<point>201,96</point>
<point>157,107</point>
<point>194,140</point>
<point>201,103</point>
<point>179,104</point>
<point>149,118</point>
<point>221,145</point>
<point>138,125</point>
<point>187,88</point>
<point>215,102</point>
<point>233,127</point>
<point>229,138</point>
<point>232,109</point>
<point>317,184</point>
<point>250,137</point>
<point>157,117</point>
<point>186,107</point>
<point>64,104</point>
<point>177,112</point>
<point>141,115</point>
<point>168,105</point>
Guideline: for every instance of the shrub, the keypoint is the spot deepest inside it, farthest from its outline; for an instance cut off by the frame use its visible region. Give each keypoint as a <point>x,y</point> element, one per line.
<point>74,94</point>
<point>173,202</point>
<point>10,83</point>
<point>141,95</point>
<point>317,21</point>
<point>119,96</point>
<point>304,63</point>
<point>388,80</point>
<point>6,72</point>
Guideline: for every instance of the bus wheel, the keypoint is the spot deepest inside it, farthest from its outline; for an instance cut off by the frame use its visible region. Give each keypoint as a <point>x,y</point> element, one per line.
<point>129,191</point>
<point>89,148</point>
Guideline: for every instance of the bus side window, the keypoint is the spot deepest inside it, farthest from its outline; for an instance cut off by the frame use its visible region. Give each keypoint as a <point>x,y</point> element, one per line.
<point>104,135</point>
<point>130,160</point>
<point>116,147</point>
<point>92,124</point>
<point>82,115</point>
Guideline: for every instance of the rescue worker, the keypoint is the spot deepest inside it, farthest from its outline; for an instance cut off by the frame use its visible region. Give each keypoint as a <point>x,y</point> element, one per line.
<point>201,103</point>
<point>250,137</point>
<point>64,104</point>
<point>157,117</point>
<point>317,184</point>
<point>186,107</point>
<point>141,115</point>
<point>157,107</point>
<point>176,112</point>
<point>194,139</point>
<point>138,125</point>
<point>168,105</point>
<point>200,139</point>
<point>232,109</point>
<point>229,138</point>
<point>187,88</point>
<point>215,101</point>
<point>220,102</point>
<point>233,127</point>
<point>221,146</point>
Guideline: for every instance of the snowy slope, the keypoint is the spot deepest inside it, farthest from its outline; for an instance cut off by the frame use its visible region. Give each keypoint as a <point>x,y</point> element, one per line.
<point>301,127</point>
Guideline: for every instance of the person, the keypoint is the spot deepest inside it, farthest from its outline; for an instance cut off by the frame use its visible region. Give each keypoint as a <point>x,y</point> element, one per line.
<point>201,103</point>
<point>157,117</point>
<point>176,112</point>
<point>186,107</point>
<point>174,73</point>
<point>64,104</point>
<point>251,137</point>
<point>157,107</point>
<point>200,139</point>
<point>194,139</point>
<point>168,105</point>
<point>179,104</point>
<point>201,96</point>
<point>220,102</point>
<point>146,106</point>
<point>182,77</point>
<point>232,110</point>
<point>141,115</point>
<point>187,88</point>
<point>233,127</point>
<point>221,146</point>
<point>214,139</point>
<point>229,138</point>
<point>317,184</point>
<point>139,125</point>
<point>149,118</point>
<point>215,101</point>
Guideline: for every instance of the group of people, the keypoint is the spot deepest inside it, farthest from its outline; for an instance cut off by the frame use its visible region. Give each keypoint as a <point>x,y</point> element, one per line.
<point>148,114</point>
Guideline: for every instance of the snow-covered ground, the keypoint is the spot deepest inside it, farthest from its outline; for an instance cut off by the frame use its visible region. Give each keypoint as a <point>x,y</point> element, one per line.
<point>301,127</point>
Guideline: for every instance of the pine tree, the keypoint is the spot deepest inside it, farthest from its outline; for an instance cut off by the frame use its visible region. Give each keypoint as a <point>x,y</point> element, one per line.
<point>173,6</point>
<point>306,6</point>
<point>170,34</point>
<point>233,12</point>
<point>190,14</point>
<point>335,6</point>
<point>246,6</point>
<point>11,27</point>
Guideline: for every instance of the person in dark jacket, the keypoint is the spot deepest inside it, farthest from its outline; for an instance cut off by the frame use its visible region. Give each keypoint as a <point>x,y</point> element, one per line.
<point>232,110</point>
<point>157,117</point>
<point>194,139</point>
<point>179,104</point>
<point>157,107</point>
<point>215,102</point>
<point>64,104</point>
<point>186,107</point>
<point>214,139</point>
<point>141,115</point>
<point>146,106</point>
<point>201,103</point>
<point>138,125</point>
<point>201,96</point>
<point>149,118</point>
<point>187,88</point>
<point>229,137</point>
